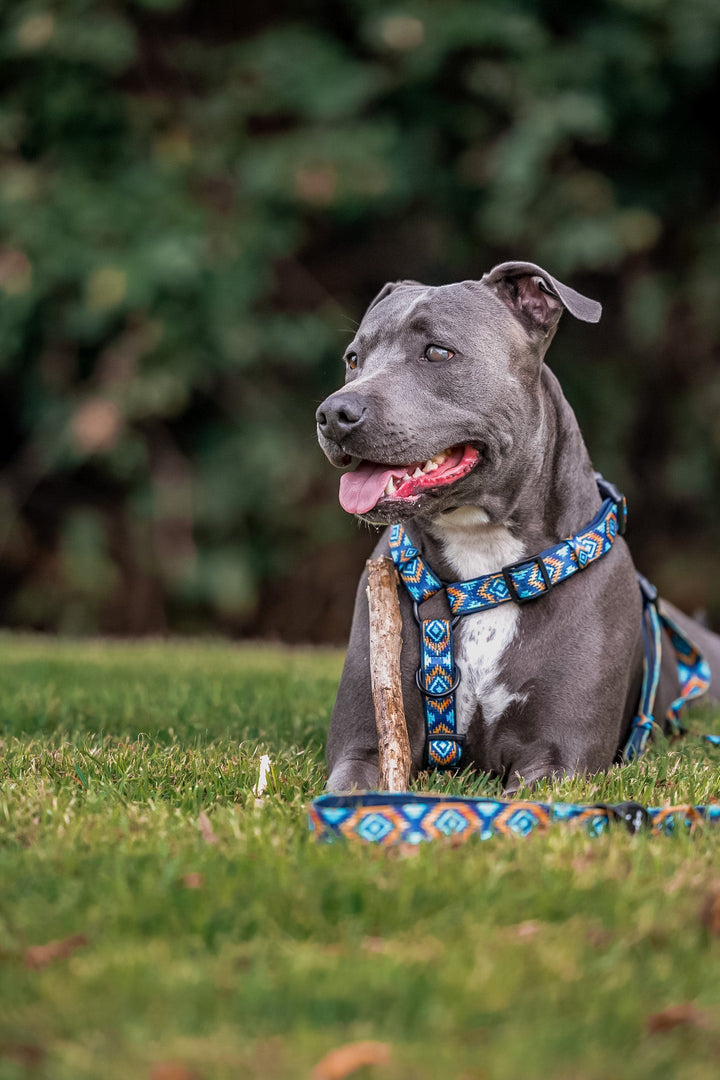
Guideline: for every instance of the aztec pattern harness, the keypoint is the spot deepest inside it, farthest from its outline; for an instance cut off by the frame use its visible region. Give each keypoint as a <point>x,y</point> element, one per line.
<point>519,583</point>
<point>387,819</point>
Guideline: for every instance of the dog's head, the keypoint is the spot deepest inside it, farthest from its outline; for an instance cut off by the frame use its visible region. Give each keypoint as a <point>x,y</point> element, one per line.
<point>441,386</point>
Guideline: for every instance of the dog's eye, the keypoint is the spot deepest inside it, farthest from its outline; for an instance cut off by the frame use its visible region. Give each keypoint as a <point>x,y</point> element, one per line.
<point>436,353</point>
<point>351,360</point>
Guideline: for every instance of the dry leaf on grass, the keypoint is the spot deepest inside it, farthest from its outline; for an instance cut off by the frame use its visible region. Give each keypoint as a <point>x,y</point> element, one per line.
<point>399,851</point>
<point>193,880</point>
<point>27,1055</point>
<point>598,937</point>
<point>685,1015</point>
<point>39,956</point>
<point>172,1070</point>
<point>206,829</point>
<point>710,912</point>
<point>346,1060</point>
<point>525,930</point>
<point>374,944</point>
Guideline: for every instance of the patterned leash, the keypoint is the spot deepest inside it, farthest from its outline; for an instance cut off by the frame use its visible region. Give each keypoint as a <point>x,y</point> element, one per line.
<point>405,818</point>
<point>402,818</point>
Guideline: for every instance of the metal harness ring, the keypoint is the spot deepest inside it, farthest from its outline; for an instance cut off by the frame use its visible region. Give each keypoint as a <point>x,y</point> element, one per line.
<point>429,693</point>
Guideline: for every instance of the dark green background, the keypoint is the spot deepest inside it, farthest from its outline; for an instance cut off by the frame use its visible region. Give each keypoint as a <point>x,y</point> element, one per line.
<point>198,199</point>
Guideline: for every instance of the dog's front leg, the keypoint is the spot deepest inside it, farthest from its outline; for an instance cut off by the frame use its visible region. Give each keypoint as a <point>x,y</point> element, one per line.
<point>352,745</point>
<point>561,753</point>
<point>352,748</point>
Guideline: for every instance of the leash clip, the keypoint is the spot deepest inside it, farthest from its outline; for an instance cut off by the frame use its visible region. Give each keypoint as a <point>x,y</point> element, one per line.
<point>634,816</point>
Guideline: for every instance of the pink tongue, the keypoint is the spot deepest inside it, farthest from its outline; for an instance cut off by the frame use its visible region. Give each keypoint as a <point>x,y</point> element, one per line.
<point>360,490</point>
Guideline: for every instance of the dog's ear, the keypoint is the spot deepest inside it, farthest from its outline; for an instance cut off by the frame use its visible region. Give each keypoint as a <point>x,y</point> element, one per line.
<point>537,298</point>
<point>390,287</point>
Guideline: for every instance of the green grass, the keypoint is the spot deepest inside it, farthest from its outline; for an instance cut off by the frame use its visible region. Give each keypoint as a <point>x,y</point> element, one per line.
<point>535,959</point>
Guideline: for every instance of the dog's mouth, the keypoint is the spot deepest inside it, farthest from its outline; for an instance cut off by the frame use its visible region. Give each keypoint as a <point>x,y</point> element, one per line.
<point>372,483</point>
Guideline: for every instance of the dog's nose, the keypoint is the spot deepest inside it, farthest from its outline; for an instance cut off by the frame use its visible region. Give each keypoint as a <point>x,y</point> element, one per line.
<point>339,416</point>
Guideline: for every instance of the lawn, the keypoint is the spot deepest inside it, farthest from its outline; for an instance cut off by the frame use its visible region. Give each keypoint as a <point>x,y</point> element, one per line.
<point>196,933</point>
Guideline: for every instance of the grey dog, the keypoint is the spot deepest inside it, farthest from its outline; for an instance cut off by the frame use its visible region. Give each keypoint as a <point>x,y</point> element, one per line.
<point>458,429</point>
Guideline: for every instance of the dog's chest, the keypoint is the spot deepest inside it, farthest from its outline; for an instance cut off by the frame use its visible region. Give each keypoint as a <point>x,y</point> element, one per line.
<point>480,640</point>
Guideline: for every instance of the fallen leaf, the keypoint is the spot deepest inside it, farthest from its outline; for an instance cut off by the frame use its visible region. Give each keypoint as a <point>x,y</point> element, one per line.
<point>347,1059</point>
<point>206,829</point>
<point>172,1070</point>
<point>400,851</point>
<point>334,949</point>
<point>582,861</point>
<point>374,944</point>
<point>710,912</point>
<point>685,1015</point>
<point>39,956</point>
<point>27,1055</point>
<point>598,937</point>
<point>193,880</point>
<point>527,929</point>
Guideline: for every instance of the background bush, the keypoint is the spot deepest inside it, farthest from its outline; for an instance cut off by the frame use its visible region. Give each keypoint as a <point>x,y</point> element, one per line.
<point>197,200</point>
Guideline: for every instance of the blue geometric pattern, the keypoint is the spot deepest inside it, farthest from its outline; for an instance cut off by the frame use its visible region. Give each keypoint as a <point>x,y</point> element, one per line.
<point>450,822</point>
<point>419,580</point>
<point>693,676</point>
<point>436,667</point>
<point>528,580</point>
<point>374,828</point>
<point>404,818</point>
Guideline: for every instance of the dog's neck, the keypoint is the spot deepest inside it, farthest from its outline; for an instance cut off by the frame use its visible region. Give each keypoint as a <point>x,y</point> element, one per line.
<point>553,497</point>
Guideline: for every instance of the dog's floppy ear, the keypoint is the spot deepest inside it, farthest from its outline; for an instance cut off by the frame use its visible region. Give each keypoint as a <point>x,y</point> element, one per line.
<point>537,298</point>
<point>390,287</point>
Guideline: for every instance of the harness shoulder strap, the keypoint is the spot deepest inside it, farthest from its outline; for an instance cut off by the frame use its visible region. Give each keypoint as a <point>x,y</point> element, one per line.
<point>693,673</point>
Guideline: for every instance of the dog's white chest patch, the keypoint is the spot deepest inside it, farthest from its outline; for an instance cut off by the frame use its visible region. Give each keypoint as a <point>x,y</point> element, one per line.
<point>473,547</point>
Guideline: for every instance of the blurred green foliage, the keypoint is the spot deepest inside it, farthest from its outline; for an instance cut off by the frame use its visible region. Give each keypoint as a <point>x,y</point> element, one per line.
<point>197,200</point>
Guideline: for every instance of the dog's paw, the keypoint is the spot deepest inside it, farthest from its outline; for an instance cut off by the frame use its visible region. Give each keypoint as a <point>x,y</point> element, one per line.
<point>353,775</point>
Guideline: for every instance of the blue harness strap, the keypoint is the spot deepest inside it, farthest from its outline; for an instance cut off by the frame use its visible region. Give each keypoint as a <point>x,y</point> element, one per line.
<point>520,582</point>
<point>437,681</point>
<point>436,677</point>
<point>528,579</point>
<point>693,673</point>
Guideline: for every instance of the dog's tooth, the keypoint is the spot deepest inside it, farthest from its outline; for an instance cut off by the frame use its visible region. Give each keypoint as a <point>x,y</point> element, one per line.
<point>390,487</point>
<point>417,474</point>
<point>439,458</point>
<point>431,466</point>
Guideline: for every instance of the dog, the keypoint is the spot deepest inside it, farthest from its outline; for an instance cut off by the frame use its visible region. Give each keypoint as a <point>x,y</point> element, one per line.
<point>458,430</point>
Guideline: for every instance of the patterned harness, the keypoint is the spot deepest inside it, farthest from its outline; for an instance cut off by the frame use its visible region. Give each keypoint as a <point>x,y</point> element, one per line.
<point>383,818</point>
<point>438,676</point>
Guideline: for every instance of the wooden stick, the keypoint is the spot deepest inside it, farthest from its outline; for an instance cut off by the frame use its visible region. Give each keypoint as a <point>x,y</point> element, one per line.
<point>385,644</point>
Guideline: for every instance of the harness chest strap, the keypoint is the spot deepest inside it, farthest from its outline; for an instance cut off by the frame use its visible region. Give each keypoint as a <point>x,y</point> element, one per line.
<point>523,581</point>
